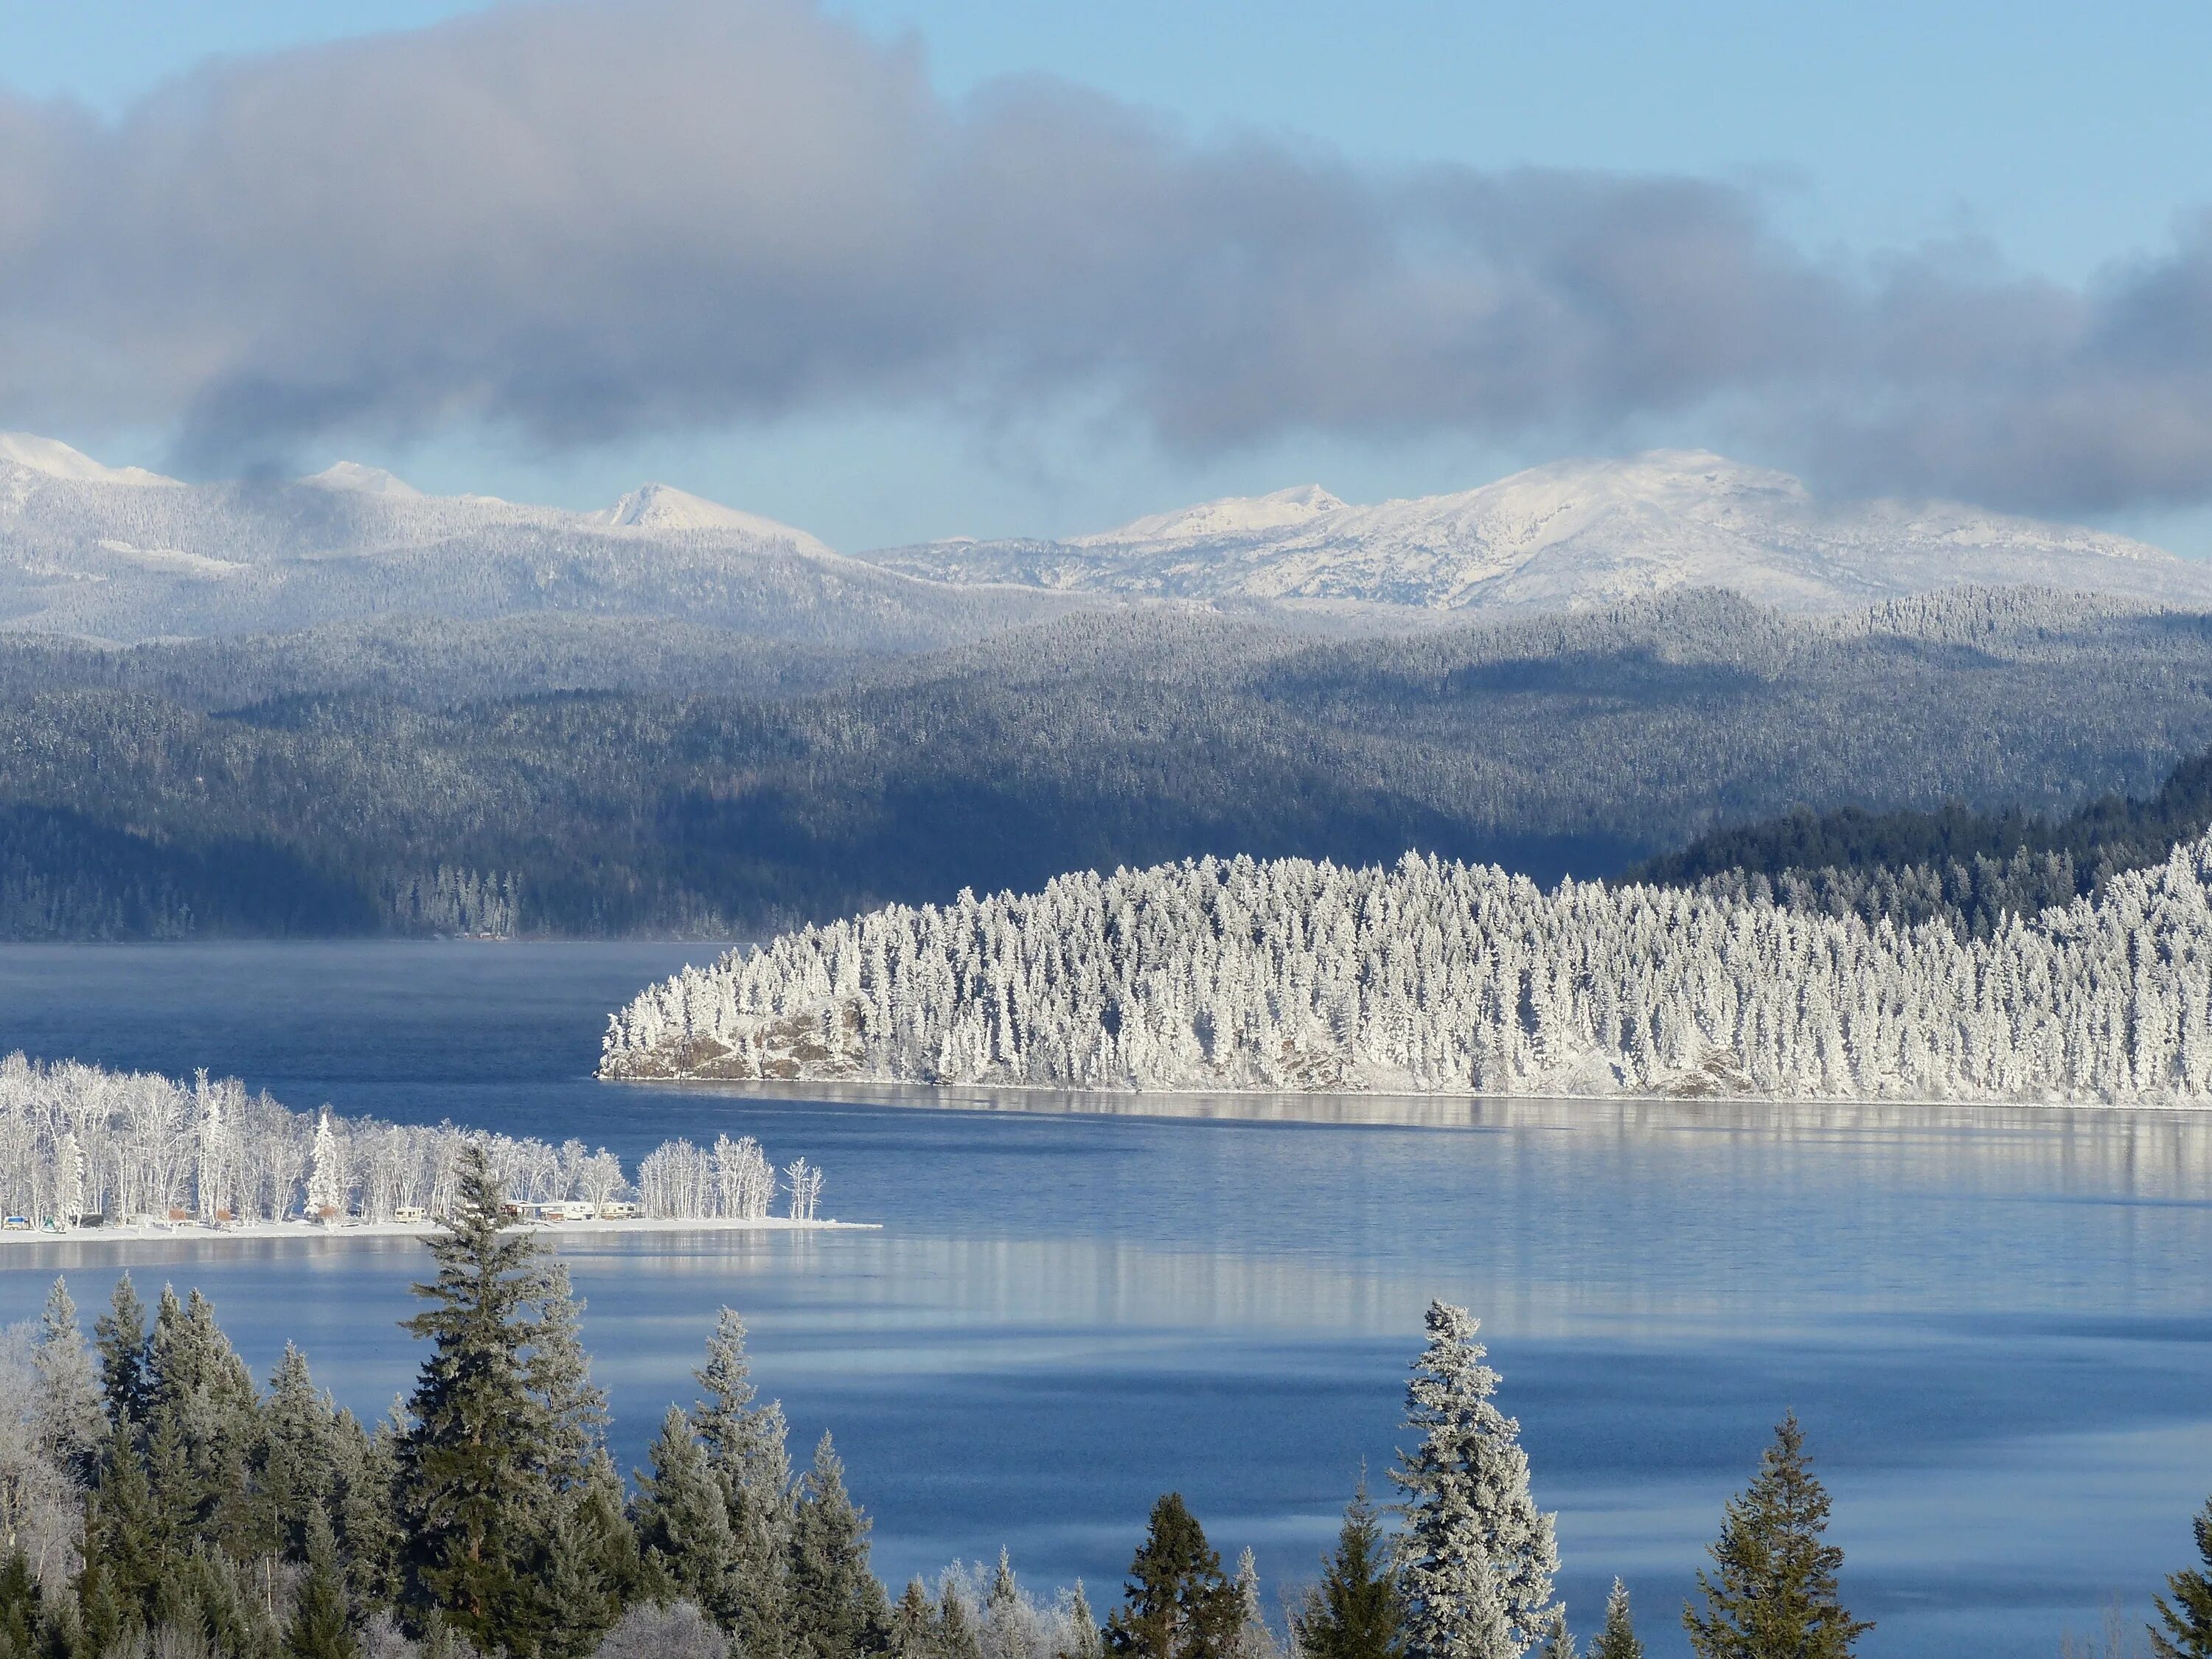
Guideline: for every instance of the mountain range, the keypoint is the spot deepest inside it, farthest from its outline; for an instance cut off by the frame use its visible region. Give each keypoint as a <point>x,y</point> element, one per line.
<point>126,555</point>
<point>123,553</point>
<point>1572,535</point>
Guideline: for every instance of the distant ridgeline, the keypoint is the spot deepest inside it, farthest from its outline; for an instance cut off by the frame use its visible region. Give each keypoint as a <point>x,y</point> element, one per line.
<point>1435,976</point>
<point>569,776</point>
<point>79,1140</point>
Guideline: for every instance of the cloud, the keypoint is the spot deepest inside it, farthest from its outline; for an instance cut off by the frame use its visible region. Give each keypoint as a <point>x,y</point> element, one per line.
<point>583,222</point>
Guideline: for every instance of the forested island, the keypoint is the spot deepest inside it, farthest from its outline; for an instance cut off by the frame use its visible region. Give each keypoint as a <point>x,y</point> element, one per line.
<point>1431,976</point>
<point>82,1147</point>
<point>155,1500</point>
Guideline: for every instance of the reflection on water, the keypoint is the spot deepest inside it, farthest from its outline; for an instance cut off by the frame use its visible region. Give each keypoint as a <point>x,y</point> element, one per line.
<point>1995,1321</point>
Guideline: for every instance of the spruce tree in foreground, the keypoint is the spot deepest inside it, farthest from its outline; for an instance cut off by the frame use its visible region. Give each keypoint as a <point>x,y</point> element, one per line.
<point>470,1462</point>
<point>2188,1617</point>
<point>837,1606</point>
<point>1477,1556</point>
<point>1618,1639</point>
<point>120,1335</point>
<point>681,1524</point>
<point>1176,1603</point>
<point>1772,1593</point>
<point>746,1448</point>
<point>1356,1612</point>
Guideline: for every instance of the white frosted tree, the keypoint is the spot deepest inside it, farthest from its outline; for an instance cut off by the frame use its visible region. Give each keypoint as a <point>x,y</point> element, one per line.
<point>804,1183</point>
<point>68,1170</point>
<point>326,1175</point>
<point>1476,1554</point>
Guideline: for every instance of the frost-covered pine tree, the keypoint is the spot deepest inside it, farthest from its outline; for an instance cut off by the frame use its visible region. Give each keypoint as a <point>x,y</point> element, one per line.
<point>71,1425</point>
<point>1477,1555</point>
<point>326,1181</point>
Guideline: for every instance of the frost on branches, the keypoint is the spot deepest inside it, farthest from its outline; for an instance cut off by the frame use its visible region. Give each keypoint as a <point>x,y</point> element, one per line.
<point>76,1140</point>
<point>1441,977</point>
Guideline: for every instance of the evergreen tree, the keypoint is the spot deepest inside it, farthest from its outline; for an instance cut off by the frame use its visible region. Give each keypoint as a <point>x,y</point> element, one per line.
<point>746,1447</point>
<point>469,1468</point>
<point>913,1625</point>
<point>20,1607</point>
<point>1084,1640</point>
<point>593,1573</point>
<point>128,1552</point>
<point>837,1607</point>
<point>295,1475</point>
<point>1477,1556</point>
<point>956,1635</point>
<point>559,1373</point>
<point>202,1422</point>
<point>1253,1639</point>
<point>1773,1594</point>
<point>319,1629</point>
<point>2188,1617</point>
<point>120,1335</point>
<point>683,1525</point>
<point>1356,1612</point>
<point>366,1469</point>
<point>1618,1639</point>
<point>1176,1604</point>
<point>71,1423</point>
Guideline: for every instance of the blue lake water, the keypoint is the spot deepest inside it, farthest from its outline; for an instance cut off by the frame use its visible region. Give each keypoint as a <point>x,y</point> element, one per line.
<point>1993,1323</point>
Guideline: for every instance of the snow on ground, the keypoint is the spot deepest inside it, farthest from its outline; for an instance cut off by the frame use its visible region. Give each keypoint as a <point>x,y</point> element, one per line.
<point>193,1232</point>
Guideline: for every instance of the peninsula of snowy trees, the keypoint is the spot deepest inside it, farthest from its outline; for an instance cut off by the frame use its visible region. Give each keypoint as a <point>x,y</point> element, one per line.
<point>1434,977</point>
<point>81,1146</point>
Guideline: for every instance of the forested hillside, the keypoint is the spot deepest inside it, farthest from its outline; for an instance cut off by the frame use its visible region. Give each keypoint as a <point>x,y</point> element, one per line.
<point>1969,869</point>
<point>418,778</point>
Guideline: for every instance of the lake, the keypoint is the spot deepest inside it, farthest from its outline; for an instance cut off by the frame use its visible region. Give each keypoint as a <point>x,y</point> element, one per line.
<point>1993,1323</point>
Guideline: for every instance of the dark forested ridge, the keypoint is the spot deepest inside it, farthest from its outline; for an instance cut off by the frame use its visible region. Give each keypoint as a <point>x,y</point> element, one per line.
<point>578,776</point>
<point>1967,867</point>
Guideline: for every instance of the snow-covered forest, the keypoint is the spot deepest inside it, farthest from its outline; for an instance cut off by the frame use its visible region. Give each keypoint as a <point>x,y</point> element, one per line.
<point>79,1140</point>
<point>1440,976</point>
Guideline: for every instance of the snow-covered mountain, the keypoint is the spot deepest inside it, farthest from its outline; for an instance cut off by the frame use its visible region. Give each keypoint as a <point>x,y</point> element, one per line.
<point>1573,534</point>
<point>119,553</point>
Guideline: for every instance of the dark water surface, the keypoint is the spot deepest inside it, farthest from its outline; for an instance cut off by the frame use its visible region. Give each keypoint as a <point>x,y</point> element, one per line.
<point>1993,1323</point>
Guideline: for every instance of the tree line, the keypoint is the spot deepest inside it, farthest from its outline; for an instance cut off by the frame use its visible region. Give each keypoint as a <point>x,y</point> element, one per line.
<point>156,1503</point>
<point>80,1144</point>
<point>566,780</point>
<point>1971,869</point>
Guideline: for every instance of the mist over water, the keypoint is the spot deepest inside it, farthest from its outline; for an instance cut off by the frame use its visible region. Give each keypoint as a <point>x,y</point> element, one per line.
<point>1993,1322</point>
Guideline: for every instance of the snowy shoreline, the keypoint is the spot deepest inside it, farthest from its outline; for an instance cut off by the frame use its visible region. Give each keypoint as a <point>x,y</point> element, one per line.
<point>193,1232</point>
<point>1186,1100</point>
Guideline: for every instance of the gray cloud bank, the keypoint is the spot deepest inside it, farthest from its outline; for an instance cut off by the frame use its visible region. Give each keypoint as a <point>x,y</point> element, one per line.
<point>582,223</point>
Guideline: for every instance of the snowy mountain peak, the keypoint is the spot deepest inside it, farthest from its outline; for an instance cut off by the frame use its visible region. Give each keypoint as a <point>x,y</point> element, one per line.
<point>353,477</point>
<point>1575,533</point>
<point>663,506</point>
<point>1232,515</point>
<point>57,460</point>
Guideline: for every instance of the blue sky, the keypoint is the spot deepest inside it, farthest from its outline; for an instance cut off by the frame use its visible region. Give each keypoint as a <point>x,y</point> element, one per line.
<point>2027,140</point>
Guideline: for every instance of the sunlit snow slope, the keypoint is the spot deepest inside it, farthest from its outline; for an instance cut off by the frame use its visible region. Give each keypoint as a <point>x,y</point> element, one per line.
<point>118,553</point>
<point>1571,534</point>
